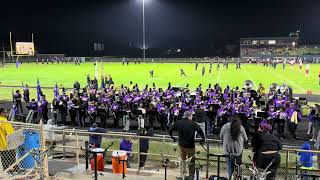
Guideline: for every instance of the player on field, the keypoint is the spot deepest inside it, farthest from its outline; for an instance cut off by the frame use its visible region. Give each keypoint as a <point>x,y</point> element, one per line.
<point>307,69</point>
<point>238,65</point>
<point>197,64</point>
<point>300,64</point>
<point>292,63</point>
<point>182,73</point>
<point>319,77</point>
<point>203,70</point>
<point>151,73</point>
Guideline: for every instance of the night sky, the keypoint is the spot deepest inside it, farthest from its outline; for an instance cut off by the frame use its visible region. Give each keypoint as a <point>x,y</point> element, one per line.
<point>197,27</point>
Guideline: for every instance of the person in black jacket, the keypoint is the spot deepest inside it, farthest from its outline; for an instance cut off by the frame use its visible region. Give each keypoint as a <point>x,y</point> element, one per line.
<point>76,86</point>
<point>82,113</point>
<point>55,110</point>
<point>266,148</point>
<point>17,99</point>
<point>144,146</point>
<point>186,129</point>
<point>63,109</point>
<point>200,117</point>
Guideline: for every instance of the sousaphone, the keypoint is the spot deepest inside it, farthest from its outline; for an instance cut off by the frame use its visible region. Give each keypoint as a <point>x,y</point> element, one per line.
<point>248,84</point>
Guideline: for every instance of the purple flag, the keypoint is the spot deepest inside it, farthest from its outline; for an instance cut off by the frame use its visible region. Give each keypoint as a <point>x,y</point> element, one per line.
<point>56,90</point>
<point>38,90</point>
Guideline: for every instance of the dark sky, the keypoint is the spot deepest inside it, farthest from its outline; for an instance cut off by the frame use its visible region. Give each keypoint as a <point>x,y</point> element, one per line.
<point>196,26</point>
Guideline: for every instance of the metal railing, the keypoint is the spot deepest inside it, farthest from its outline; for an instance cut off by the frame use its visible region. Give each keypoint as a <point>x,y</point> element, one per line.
<point>72,142</point>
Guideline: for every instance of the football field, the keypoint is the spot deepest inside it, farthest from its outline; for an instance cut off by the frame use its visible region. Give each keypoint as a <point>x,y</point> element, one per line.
<point>66,74</point>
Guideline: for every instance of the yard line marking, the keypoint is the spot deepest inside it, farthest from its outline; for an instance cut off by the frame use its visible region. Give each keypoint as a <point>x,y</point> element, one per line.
<point>249,74</point>
<point>219,74</point>
<point>287,81</point>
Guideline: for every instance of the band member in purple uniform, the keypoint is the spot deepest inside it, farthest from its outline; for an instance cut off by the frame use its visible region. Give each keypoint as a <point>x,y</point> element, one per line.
<point>33,106</point>
<point>273,117</point>
<point>43,109</point>
<point>163,116</point>
<point>175,113</point>
<point>115,107</point>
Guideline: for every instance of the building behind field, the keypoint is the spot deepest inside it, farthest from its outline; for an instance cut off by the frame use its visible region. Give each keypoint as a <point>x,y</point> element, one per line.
<point>268,46</point>
<point>275,47</point>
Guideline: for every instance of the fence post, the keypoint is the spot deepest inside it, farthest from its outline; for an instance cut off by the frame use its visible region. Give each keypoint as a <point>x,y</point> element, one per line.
<point>64,143</point>
<point>138,153</point>
<point>207,160</point>
<point>43,148</point>
<point>287,165</point>
<point>77,150</point>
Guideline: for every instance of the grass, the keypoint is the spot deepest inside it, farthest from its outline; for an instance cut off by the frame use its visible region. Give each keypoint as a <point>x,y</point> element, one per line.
<point>67,74</point>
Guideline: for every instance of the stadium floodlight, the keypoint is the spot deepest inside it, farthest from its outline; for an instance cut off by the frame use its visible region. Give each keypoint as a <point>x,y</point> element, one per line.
<point>143,32</point>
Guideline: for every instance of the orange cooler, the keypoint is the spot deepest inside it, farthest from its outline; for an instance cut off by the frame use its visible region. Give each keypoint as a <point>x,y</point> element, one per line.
<point>117,166</point>
<point>100,162</point>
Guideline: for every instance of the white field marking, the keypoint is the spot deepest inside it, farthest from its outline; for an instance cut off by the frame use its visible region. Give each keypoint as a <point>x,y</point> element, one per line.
<point>293,83</point>
<point>249,74</point>
<point>219,75</point>
<point>290,82</point>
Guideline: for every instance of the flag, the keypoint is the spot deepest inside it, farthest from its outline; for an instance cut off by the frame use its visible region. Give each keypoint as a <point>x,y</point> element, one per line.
<point>96,74</point>
<point>13,100</point>
<point>103,83</point>
<point>56,90</point>
<point>14,107</point>
<point>102,69</point>
<point>39,93</point>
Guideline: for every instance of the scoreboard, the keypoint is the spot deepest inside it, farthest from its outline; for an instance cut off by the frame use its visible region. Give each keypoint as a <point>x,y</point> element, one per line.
<point>25,48</point>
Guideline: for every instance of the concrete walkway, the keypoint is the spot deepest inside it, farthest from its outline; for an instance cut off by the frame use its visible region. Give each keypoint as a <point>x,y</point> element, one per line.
<point>66,171</point>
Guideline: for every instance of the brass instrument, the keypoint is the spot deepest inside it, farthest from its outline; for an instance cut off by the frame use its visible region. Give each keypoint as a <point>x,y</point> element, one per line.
<point>284,88</point>
<point>248,84</point>
<point>274,87</point>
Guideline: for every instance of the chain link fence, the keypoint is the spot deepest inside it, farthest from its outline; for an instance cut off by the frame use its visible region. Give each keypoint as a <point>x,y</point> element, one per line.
<point>22,151</point>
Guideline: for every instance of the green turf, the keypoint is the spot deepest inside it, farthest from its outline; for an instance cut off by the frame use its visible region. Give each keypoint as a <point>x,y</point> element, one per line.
<point>66,74</point>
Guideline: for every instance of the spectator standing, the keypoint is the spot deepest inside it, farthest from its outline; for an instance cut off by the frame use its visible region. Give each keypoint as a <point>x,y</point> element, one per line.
<point>94,139</point>
<point>126,145</point>
<point>8,157</point>
<point>234,137</point>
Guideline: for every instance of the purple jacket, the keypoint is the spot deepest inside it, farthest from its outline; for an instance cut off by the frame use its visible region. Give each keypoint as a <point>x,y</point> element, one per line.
<point>126,145</point>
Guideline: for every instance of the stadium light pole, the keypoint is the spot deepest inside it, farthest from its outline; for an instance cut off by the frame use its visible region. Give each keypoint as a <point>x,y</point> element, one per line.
<point>143,32</point>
